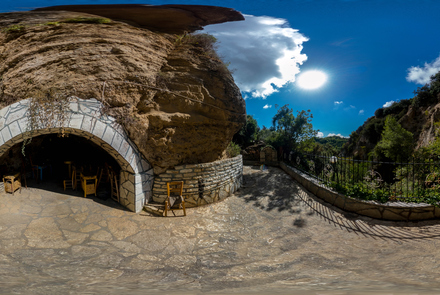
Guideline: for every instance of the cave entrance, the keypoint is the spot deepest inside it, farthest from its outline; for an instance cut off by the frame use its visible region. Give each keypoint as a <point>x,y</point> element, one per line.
<point>58,156</point>
<point>91,137</point>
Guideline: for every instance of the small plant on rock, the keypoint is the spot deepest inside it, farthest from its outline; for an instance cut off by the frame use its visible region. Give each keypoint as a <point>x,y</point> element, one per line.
<point>88,20</point>
<point>47,109</point>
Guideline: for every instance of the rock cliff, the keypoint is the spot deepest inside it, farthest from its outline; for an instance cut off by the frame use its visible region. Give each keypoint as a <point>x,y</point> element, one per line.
<point>418,115</point>
<point>178,103</point>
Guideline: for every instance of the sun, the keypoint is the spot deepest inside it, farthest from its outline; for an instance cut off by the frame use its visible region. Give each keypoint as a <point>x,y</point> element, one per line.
<point>312,79</point>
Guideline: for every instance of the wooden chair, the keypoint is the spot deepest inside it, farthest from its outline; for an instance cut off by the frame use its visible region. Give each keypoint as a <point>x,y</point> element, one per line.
<point>12,182</point>
<point>72,182</point>
<point>114,185</point>
<point>174,196</point>
<point>76,179</point>
<point>89,184</point>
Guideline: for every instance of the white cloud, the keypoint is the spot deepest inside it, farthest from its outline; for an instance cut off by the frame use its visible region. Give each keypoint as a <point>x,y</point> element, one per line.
<point>334,134</point>
<point>388,103</point>
<point>320,134</point>
<point>421,75</point>
<point>349,108</point>
<point>338,102</point>
<point>361,112</point>
<point>264,52</point>
<point>267,106</point>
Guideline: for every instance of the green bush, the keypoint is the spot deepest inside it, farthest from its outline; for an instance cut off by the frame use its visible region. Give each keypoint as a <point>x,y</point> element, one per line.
<point>233,150</point>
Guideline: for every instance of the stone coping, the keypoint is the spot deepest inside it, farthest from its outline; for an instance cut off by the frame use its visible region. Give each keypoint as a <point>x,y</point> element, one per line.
<point>395,211</point>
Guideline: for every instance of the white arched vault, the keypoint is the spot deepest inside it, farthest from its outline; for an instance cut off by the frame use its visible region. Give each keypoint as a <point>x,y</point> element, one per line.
<point>85,119</point>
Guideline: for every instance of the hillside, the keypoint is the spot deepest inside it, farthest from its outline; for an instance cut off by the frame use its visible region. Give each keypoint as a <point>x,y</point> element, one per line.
<point>419,115</point>
<point>173,95</point>
<point>334,141</point>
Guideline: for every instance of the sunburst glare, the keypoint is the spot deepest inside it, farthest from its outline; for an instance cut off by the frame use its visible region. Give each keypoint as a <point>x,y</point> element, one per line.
<point>312,79</point>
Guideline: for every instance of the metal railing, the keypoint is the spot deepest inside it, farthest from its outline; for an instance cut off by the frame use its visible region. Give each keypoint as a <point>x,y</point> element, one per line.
<point>411,180</point>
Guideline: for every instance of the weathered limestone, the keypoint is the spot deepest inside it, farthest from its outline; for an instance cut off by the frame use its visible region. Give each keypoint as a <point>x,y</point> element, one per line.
<point>397,211</point>
<point>85,119</point>
<point>203,183</point>
<point>160,89</point>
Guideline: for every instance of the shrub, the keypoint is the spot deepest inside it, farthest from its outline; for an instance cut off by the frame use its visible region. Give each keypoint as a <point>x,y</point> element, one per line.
<point>233,150</point>
<point>205,42</point>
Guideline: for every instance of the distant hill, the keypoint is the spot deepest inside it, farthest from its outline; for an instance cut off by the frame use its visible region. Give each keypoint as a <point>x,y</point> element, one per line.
<point>335,141</point>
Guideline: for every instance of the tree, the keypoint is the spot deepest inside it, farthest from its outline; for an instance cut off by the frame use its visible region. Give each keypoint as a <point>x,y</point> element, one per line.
<point>265,134</point>
<point>429,93</point>
<point>292,131</point>
<point>396,141</point>
<point>248,133</point>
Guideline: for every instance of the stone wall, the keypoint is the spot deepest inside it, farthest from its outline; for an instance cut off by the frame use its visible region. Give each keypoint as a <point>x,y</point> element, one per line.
<point>396,211</point>
<point>203,183</point>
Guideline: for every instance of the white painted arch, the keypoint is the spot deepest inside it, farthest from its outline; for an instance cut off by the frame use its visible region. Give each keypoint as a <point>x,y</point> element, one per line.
<point>85,119</point>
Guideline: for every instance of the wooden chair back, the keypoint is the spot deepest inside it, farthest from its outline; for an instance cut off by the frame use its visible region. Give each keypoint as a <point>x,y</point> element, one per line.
<point>175,191</point>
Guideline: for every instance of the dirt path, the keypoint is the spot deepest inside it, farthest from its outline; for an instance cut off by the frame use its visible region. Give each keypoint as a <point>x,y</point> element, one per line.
<point>271,236</point>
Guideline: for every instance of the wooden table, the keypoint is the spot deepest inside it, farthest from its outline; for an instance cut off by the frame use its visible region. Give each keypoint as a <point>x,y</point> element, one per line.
<point>88,184</point>
<point>12,182</point>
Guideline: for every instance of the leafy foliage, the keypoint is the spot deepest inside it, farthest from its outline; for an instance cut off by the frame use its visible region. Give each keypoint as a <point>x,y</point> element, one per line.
<point>396,142</point>
<point>291,131</point>
<point>248,133</point>
<point>233,150</point>
<point>429,93</point>
<point>330,144</point>
<point>369,134</point>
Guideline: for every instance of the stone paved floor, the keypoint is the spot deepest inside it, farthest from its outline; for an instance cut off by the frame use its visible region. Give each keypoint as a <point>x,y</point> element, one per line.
<point>270,236</point>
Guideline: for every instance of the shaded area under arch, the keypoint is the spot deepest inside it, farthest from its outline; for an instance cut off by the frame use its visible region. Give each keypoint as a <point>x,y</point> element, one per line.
<point>86,120</point>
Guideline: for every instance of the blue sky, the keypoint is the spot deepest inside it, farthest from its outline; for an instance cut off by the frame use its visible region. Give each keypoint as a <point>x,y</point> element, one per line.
<point>373,52</point>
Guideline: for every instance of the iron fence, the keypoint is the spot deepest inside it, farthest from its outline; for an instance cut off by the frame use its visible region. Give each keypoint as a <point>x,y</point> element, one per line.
<point>411,180</point>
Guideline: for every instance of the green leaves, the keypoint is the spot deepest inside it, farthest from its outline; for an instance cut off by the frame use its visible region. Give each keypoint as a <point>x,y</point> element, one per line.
<point>248,133</point>
<point>291,130</point>
<point>396,142</point>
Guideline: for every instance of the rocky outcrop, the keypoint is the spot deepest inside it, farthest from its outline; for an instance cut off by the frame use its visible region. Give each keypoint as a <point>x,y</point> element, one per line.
<point>175,19</point>
<point>422,122</point>
<point>178,103</point>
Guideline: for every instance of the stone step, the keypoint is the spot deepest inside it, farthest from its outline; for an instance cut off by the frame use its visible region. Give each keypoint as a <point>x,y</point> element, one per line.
<point>154,208</point>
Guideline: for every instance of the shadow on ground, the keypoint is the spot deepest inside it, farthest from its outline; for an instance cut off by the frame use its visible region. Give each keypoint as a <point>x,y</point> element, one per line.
<point>263,189</point>
<point>273,189</point>
<point>55,186</point>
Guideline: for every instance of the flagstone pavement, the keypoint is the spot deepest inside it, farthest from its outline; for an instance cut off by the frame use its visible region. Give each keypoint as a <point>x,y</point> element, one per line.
<point>270,236</point>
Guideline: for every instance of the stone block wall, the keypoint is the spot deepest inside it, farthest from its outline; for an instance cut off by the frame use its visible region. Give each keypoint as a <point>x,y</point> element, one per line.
<point>203,183</point>
<point>395,211</point>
